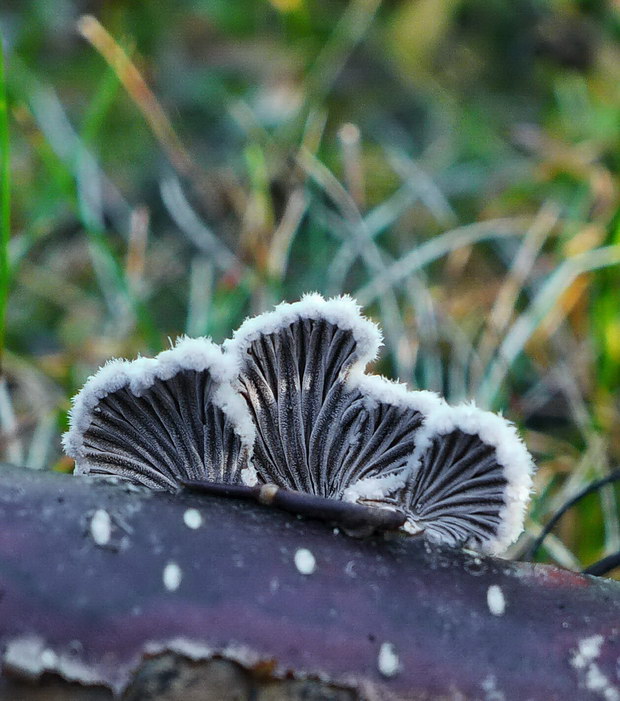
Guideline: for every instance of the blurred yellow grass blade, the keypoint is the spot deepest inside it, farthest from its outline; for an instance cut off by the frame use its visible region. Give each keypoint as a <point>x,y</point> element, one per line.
<point>612,339</point>
<point>513,284</point>
<point>417,27</point>
<point>284,233</point>
<point>438,247</point>
<point>349,138</point>
<point>566,305</point>
<point>287,5</point>
<point>135,262</point>
<point>544,303</point>
<point>135,85</point>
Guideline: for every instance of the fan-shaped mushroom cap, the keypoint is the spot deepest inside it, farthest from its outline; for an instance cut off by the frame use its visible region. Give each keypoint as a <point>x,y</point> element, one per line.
<point>470,479</point>
<point>322,423</point>
<point>160,420</point>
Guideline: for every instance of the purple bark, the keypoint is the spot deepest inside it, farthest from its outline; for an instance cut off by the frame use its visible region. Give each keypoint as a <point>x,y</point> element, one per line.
<point>384,616</point>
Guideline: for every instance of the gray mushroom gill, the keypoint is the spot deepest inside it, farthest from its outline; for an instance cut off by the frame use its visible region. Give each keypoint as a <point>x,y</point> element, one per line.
<point>287,402</point>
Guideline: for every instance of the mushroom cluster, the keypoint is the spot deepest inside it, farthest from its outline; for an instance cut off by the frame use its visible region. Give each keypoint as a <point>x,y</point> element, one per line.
<point>287,402</point>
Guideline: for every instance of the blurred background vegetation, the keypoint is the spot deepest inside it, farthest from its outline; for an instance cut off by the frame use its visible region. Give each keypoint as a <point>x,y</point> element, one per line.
<point>454,164</point>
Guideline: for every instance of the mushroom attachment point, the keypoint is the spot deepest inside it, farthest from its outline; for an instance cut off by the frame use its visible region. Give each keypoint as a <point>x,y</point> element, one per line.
<point>356,520</point>
<point>285,414</point>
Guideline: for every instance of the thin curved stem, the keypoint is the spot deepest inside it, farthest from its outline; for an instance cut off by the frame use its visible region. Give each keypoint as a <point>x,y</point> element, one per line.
<point>604,566</point>
<point>593,487</point>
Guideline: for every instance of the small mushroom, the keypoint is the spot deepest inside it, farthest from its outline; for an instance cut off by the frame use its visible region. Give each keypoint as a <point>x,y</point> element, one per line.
<point>322,424</point>
<point>158,420</point>
<point>469,480</point>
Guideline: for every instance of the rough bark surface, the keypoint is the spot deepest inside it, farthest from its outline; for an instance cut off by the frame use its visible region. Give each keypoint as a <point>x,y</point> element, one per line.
<point>161,610</point>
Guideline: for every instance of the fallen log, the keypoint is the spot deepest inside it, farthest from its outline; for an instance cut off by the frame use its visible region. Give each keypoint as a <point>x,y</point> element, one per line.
<point>108,589</point>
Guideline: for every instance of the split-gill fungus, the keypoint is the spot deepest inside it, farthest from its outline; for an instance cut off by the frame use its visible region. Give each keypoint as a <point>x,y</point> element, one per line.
<point>287,402</point>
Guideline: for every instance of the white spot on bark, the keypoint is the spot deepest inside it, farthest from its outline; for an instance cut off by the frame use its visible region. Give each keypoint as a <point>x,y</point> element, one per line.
<point>30,657</point>
<point>49,658</point>
<point>192,518</point>
<point>491,692</point>
<point>305,561</point>
<point>588,649</point>
<point>589,673</point>
<point>24,654</point>
<point>495,600</point>
<point>101,527</point>
<point>172,576</point>
<point>597,682</point>
<point>388,661</point>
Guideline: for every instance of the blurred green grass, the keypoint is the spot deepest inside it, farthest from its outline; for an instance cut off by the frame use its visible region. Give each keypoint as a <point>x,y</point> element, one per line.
<point>454,165</point>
